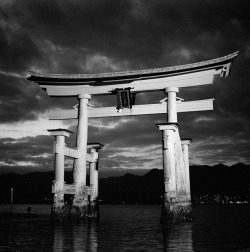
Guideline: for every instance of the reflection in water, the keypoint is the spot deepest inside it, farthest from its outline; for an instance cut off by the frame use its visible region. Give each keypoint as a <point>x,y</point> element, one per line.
<point>10,231</point>
<point>129,228</point>
<point>75,236</point>
<point>178,236</point>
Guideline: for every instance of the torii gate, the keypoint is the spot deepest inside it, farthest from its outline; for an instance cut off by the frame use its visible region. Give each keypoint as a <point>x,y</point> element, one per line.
<point>177,199</point>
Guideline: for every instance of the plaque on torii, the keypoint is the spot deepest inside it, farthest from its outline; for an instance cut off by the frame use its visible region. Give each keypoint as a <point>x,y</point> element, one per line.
<point>125,85</point>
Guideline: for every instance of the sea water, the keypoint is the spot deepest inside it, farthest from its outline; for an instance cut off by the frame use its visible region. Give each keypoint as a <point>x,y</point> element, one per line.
<point>127,228</point>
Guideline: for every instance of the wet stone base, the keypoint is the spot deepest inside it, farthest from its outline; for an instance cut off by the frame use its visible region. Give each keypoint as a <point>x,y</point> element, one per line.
<point>57,211</point>
<point>93,211</point>
<point>79,210</point>
<point>177,212</point>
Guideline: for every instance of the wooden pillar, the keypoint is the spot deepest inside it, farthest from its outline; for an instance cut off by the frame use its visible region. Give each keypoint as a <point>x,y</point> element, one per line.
<point>58,184</point>
<point>176,204</point>
<point>168,169</point>
<point>79,208</point>
<point>94,182</point>
<point>168,147</point>
<point>185,146</point>
<point>171,104</point>
<point>94,174</point>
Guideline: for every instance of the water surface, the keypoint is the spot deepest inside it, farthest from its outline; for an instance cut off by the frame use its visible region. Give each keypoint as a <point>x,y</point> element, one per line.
<point>127,228</point>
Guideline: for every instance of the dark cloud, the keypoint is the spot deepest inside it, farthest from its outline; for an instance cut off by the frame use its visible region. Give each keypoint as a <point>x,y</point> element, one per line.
<point>136,131</point>
<point>143,33</point>
<point>21,100</point>
<point>27,154</point>
<point>101,36</point>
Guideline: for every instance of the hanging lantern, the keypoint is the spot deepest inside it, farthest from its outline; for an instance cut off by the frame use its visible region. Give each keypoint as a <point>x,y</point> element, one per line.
<point>124,98</point>
<point>119,100</point>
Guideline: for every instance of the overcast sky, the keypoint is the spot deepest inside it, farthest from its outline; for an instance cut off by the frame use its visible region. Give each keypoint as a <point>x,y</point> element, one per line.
<point>71,36</point>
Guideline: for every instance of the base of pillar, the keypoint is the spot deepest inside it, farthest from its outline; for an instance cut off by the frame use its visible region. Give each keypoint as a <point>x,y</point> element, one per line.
<point>93,211</point>
<point>176,210</point>
<point>79,209</point>
<point>57,211</point>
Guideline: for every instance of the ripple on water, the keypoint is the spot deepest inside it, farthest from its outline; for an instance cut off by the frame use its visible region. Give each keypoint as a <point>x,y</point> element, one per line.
<point>128,228</point>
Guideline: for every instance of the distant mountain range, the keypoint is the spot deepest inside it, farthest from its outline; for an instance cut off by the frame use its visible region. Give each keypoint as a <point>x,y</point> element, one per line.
<point>34,188</point>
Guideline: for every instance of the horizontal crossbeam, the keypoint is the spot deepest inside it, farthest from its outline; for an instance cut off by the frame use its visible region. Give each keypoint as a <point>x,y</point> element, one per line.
<point>148,109</point>
<point>71,189</point>
<point>140,85</point>
<point>74,153</point>
<point>71,152</point>
<point>90,158</point>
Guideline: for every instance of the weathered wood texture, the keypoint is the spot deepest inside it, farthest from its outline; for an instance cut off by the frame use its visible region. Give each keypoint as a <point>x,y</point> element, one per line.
<point>71,189</point>
<point>222,63</point>
<point>184,80</point>
<point>69,152</point>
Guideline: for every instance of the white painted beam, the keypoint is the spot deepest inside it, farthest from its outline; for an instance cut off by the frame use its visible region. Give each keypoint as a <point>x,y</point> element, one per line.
<point>183,80</point>
<point>69,189</point>
<point>90,158</point>
<point>74,153</point>
<point>63,114</point>
<point>148,109</point>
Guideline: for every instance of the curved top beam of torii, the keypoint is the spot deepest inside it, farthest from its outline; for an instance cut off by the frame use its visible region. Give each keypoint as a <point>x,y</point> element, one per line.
<point>199,73</point>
